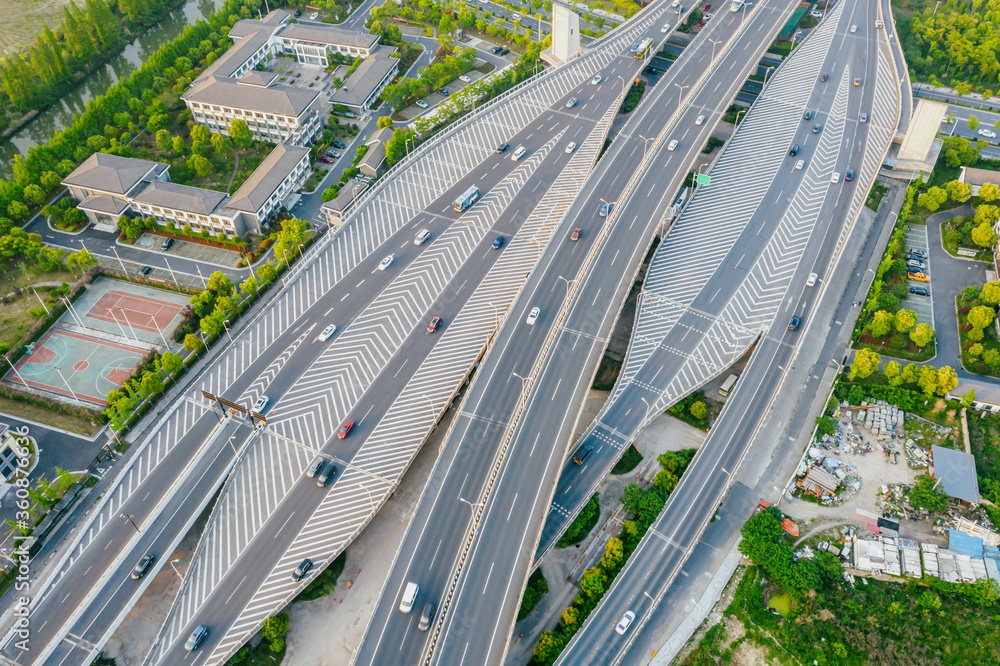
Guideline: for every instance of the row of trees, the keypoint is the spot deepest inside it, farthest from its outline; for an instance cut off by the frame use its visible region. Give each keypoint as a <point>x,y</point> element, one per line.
<point>643,507</point>
<point>147,382</point>
<point>932,381</point>
<point>429,79</point>
<point>88,36</point>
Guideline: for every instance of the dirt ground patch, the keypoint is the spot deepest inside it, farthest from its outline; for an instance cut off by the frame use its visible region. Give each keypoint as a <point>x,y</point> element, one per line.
<point>23,20</point>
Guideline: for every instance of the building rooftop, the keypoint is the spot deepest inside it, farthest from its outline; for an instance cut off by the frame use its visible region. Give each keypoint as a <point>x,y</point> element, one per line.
<point>260,79</point>
<point>351,191</point>
<point>278,99</point>
<point>922,131</point>
<point>957,473</point>
<point>112,174</point>
<point>362,82</point>
<point>104,203</point>
<point>979,177</point>
<point>181,197</point>
<point>322,34</point>
<point>267,177</point>
<point>375,156</point>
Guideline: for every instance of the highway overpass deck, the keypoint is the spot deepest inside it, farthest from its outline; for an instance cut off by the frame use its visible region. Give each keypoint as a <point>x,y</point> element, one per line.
<point>795,235</point>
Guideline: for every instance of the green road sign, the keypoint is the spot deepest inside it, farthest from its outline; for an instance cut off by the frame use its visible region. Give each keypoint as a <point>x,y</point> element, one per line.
<point>702,179</point>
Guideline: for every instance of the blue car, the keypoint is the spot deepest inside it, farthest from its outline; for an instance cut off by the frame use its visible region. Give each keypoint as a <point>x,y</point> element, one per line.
<point>605,209</point>
<point>498,243</point>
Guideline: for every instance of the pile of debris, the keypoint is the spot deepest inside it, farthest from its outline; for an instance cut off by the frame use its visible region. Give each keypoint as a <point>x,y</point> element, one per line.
<point>830,480</point>
<point>881,419</point>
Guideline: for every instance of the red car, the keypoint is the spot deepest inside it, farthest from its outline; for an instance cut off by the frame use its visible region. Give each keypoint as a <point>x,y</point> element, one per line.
<point>433,326</point>
<point>575,236</point>
<point>707,7</point>
<point>326,158</point>
<point>345,429</point>
<point>701,23</point>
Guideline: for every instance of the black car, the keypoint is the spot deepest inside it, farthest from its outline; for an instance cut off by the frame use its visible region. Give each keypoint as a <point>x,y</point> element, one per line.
<point>298,13</point>
<point>302,570</point>
<point>497,49</point>
<point>849,175</point>
<point>502,148</point>
<point>167,244</point>
<point>807,115</point>
<point>504,50</point>
<point>915,257</point>
<point>146,270</point>
<point>426,616</point>
<point>338,144</point>
<point>920,291</point>
<point>444,91</point>
<point>143,566</point>
<point>793,325</point>
<point>794,150</point>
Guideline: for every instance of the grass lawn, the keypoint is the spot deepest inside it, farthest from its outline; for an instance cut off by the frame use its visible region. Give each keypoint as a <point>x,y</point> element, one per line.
<point>628,461</point>
<point>15,315</point>
<point>23,20</point>
<point>50,417</point>
<point>876,195</point>
<point>897,345</point>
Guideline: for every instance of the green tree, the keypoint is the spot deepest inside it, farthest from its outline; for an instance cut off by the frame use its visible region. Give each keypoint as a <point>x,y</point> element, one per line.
<point>384,122</point>
<point>983,235</point>
<point>81,259</point>
<point>267,274</point>
<point>699,410</point>
<point>980,316</point>
<point>240,132</point>
<point>163,140</point>
<point>991,357</point>
<point>958,191</point>
<point>927,380</point>
<point>925,493</point>
<point>645,506</point>
<point>193,343</point>
<point>593,583</point>
<point>550,644</point>
<point>152,383</point>
<point>865,363</point>
<point>989,192</point>
<point>222,144</point>
<point>932,199</point>
<point>973,122</point>
<point>905,320</point>
<point>976,350</point>
<point>569,617</point>
<point>881,323</point>
<point>171,362</point>
<point>276,627</point>
<point>922,334</point>
<point>969,398</point>
<point>179,145</point>
<point>201,165</point>
<point>947,379</point>
<point>220,284</point>
<point>991,293</point>
<point>891,370</point>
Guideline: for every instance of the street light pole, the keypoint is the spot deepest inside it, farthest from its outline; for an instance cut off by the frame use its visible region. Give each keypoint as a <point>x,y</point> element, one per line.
<point>72,392</point>
<point>715,42</point>
<point>644,145</point>
<point>129,517</point>
<point>227,331</point>
<point>680,93</point>
<point>174,567</point>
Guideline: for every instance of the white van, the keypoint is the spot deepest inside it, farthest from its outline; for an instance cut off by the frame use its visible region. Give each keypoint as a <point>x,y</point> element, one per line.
<point>422,237</point>
<point>409,596</point>
<point>519,153</point>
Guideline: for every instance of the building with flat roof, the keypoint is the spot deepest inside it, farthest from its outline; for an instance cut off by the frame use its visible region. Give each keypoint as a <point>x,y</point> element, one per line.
<point>362,88</point>
<point>956,471</point>
<point>976,178</point>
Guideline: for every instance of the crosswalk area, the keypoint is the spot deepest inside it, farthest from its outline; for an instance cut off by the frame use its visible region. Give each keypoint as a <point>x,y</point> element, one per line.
<point>386,454</point>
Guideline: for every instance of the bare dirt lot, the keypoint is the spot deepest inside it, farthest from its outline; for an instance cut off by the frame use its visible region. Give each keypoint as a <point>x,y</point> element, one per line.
<point>23,20</point>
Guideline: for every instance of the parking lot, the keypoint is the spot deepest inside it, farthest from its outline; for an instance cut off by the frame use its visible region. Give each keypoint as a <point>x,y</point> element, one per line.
<point>916,239</point>
<point>196,251</point>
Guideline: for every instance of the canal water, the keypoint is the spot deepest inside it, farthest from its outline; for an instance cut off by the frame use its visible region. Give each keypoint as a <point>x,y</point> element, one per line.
<point>60,114</point>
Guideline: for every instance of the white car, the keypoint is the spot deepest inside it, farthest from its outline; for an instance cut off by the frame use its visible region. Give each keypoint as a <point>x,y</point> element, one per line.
<point>800,164</point>
<point>854,29</point>
<point>327,333</point>
<point>518,153</point>
<point>570,147</point>
<point>597,79</point>
<point>835,178</point>
<point>987,133</point>
<point>878,23</point>
<point>260,404</point>
<point>385,263</point>
<point>665,28</point>
<point>465,78</point>
<point>625,622</point>
<point>422,104</point>
<point>699,120</point>
<point>811,282</point>
<point>672,145</point>
<point>314,16</point>
<point>532,317</point>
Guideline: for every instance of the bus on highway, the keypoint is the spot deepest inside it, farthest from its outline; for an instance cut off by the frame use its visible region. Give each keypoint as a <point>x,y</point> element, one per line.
<point>645,46</point>
<point>470,197</point>
<point>736,5</point>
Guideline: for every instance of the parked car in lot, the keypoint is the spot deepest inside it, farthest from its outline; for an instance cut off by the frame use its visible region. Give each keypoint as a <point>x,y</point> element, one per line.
<point>919,276</point>
<point>339,144</point>
<point>143,566</point>
<point>167,244</point>
<point>504,50</point>
<point>422,104</point>
<point>793,324</point>
<point>920,291</point>
<point>326,159</point>
<point>334,154</point>
<point>918,252</point>
<point>327,333</point>
<point>625,622</point>
<point>465,79</point>
<point>146,270</point>
<point>314,16</point>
